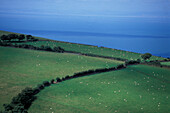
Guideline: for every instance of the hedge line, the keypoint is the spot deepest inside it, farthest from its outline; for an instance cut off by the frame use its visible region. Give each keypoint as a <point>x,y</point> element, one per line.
<point>157,63</point>
<point>93,55</point>
<point>23,100</point>
<point>27,46</point>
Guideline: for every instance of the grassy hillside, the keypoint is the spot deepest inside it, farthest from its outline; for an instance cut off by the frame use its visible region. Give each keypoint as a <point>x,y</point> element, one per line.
<point>165,63</point>
<point>93,50</point>
<point>136,89</point>
<point>89,49</point>
<point>20,68</point>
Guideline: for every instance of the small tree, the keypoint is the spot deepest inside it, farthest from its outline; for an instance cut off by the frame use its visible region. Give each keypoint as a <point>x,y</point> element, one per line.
<point>58,79</point>
<point>29,37</point>
<point>52,81</point>
<point>48,48</point>
<point>46,83</point>
<point>146,56</point>
<point>12,36</point>
<point>42,47</point>
<point>4,37</point>
<point>21,37</point>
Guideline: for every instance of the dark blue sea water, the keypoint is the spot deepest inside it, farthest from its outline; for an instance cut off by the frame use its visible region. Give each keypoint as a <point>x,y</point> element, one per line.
<point>131,34</point>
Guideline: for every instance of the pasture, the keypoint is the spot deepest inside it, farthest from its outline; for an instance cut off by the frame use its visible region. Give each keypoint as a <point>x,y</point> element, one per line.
<point>93,50</point>
<point>165,63</point>
<point>136,89</point>
<point>88,49</point>
<point>20,68</point>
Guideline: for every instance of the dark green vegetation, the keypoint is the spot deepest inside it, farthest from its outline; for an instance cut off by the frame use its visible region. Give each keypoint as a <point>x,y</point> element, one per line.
<point>21,102</point>
<point>16,37</point>
<point>146,56</point>
<point>26,46</point>
<point>7,33</point>
<point>135,89</point>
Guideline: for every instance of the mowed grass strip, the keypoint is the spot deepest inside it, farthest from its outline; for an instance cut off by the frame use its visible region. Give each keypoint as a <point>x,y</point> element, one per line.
<point>93,50</point>
<point>20,68</point>
<point>136,89</point>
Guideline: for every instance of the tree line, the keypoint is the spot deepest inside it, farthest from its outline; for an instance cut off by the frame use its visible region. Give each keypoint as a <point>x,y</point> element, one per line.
<point>28,46</point>
<point>20,37</point>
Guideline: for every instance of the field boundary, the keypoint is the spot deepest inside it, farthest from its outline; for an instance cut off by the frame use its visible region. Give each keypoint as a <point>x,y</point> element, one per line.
<point>17,104</point>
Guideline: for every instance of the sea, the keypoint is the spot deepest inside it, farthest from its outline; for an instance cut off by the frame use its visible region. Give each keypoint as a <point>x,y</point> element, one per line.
<point>141,35</point>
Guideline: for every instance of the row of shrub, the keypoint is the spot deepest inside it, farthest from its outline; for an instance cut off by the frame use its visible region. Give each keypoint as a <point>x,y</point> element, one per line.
<point>40,87</point>
<point>131,62</point>
<point>93,55</point>
<point>27,46</point>
<point>23,100</point>
<point>157,63</point>
<point>21,37</point>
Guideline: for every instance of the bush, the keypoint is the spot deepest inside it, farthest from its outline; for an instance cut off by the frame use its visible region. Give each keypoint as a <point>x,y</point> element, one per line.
<point>36,90</point>
<point>58,79</point>
<point>58,49</point>
<point>8,107</point>
<point>46,83</point>
<point>21,37</point>
<point>12,36</point>
<point>120,66</point>
<point>40,86</point>
<point>67,77</point>
<point>21,102</point>
<point>42,47</point>
<point>52,81</point>
<point>146,56</point>
<point>48,48</point>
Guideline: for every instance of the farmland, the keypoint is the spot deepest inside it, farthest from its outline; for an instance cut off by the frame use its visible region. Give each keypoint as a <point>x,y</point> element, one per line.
<point>20,68</point>
<point>93,50</point>
<point>165,63</point>
<point>138,88</point>
<point>88,49</point>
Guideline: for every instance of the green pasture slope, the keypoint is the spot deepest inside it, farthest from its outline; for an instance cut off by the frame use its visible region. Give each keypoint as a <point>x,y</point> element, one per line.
<point>20,68</point>
<point>136,89</point>
<point>93,50</point>
<point>89,49</point>
<point>165,63</point>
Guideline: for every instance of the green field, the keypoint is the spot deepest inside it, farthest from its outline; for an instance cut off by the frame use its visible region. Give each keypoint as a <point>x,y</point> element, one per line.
<point>93,50</point>
<point>89,49</point>
<point>136,89</point>
<point>20,68</point>
<point>165,63</point>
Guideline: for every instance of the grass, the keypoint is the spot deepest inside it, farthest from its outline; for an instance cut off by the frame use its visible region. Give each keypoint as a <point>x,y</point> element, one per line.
<point>136,89</point>
<point>89,49</point>
<point>93,50</point>
<point>20,68</point>
<point>165,63</point>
